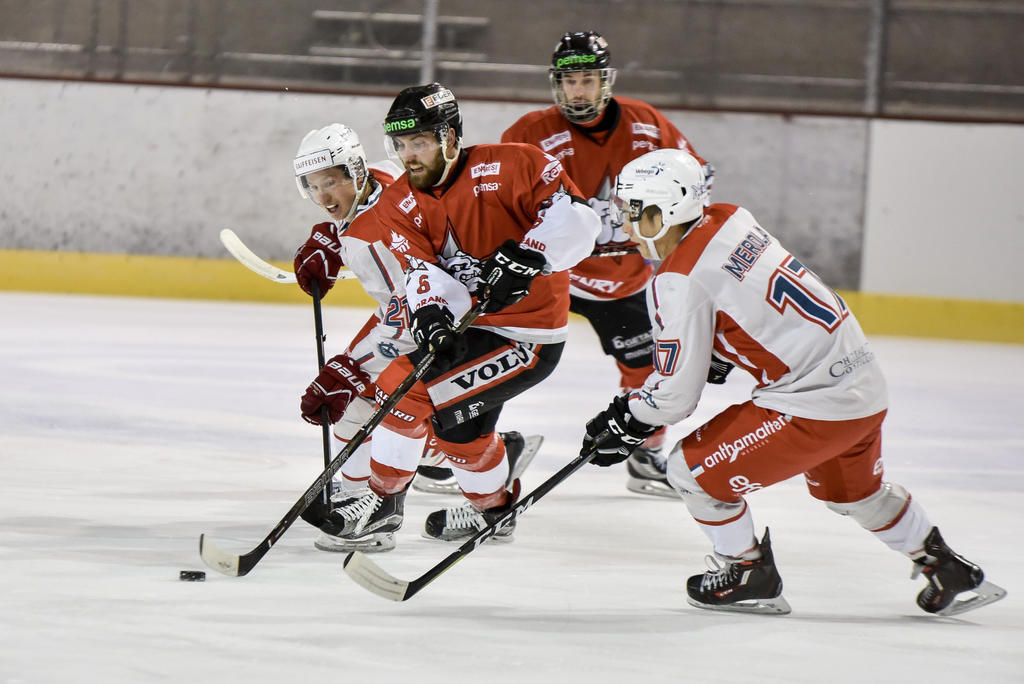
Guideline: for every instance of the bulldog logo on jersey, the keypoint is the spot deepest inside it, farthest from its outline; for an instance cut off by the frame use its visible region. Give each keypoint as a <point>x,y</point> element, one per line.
<point>399,243</point>
<point>457,262</point>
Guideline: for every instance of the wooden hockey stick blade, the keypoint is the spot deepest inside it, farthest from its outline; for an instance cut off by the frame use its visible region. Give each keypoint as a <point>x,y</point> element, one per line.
<point>251,261</point>
<point>370,576</point>
<point>218,559</point>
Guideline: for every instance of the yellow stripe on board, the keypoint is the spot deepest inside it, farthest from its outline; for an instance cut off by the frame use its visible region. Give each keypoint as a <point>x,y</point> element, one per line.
<point>188,278</point>
<point>956,319</point>
<point>156,276</point>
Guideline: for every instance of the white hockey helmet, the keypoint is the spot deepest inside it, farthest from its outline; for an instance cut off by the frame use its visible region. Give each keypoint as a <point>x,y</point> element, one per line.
<point>324,148</point>
<point>670,179</point>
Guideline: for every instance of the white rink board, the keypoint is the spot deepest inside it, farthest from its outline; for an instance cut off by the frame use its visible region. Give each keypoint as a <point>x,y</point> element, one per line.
<point>130,426</point>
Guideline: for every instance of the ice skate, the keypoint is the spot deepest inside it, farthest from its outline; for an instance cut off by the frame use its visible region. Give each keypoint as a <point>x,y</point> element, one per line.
<point>435,479</point>
<point>742,586</point>
<point>646,468</point>
<point>950,574</point>
<point>364,522</point>
<point>458,523</point>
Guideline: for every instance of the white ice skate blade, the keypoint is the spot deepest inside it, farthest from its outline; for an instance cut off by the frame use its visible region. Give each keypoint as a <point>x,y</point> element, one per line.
<point>984,594</point>
<point>650,488</point>
<point>774,606</point>
<point>494,539</point>
<point>531,445</point>
<point>373,543</point>
<point>428,486</point>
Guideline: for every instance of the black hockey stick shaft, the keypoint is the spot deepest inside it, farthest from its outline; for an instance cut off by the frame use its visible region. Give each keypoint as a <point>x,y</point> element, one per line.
<point>373,578</point>
<point>242,565</point>
<point>325,418</point>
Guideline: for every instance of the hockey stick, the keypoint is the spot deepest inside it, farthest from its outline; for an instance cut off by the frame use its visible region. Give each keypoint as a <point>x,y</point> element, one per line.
<point>234,565</point>
<point>248,258</point>
<point>325,417</point>
<point>374,578</point>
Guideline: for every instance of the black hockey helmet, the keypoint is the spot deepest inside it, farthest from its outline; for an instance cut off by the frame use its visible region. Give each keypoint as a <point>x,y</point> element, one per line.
<point>581,51</point>
<point>430,107</point>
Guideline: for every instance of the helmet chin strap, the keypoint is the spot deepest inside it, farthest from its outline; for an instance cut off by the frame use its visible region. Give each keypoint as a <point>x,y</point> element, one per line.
<point>649,241</point>
<point>448,163</point>
<point>356,201</point>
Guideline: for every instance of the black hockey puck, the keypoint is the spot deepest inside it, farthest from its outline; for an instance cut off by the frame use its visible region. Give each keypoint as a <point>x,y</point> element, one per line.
<point>192,576</point>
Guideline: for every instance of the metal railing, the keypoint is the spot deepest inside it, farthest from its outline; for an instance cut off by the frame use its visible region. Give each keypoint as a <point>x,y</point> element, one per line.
<point>954,59</point>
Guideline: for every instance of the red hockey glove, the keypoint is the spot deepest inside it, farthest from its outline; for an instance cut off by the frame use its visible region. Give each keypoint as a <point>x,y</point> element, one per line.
<point>626,433</point>
<point>340,381</point>
<point>319,260</point>
<point>506,276</point>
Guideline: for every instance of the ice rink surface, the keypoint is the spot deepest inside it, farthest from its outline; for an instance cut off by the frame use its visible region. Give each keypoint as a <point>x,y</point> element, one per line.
<point>130,426</point>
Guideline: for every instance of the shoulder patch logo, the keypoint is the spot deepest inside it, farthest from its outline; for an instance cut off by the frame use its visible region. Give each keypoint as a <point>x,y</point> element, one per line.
<point>646,129</point>
<point>491,169</point>
<point>560,138</point>
<point>551,172</point>
<point>407,204</point>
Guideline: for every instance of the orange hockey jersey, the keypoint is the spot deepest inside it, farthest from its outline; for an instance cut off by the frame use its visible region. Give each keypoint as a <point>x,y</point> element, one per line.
<point>495,192</point>
<point>593,161</point>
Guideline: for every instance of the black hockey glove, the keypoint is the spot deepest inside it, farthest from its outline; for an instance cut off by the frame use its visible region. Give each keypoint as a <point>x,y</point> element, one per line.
<point>433,330</point>
<point>506,276</point>
<point>718,370</point>
<point>626,433</point>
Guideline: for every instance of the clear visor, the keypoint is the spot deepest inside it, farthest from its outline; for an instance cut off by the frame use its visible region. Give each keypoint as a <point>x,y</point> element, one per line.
<point>315,184</point>
<point>581,95</point>
<point>420,145</point>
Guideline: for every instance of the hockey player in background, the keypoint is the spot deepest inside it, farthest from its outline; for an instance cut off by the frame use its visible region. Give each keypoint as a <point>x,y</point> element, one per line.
<point>331,170</point>
<point>727,287</point>
<point>492,223</point>
<point>594,134</point>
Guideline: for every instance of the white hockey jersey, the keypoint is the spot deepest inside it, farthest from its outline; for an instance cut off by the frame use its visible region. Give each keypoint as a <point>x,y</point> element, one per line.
<point>731,288</point>
<point>385,336</point>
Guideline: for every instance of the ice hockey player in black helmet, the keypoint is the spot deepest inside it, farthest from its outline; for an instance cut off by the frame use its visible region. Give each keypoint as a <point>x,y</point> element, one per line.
<point>426,108</point>
<point>594,135</point>
<point>577,52</point>
<point>489,228</point>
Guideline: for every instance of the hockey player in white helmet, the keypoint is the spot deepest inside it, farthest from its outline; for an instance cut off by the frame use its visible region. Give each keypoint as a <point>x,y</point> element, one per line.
<point>331,170</point>
<point>727,288</point>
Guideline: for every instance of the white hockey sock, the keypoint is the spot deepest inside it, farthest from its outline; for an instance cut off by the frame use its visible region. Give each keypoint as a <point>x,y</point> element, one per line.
<point>484,482</point>
<point>735,538</point>
<point>395,450</point>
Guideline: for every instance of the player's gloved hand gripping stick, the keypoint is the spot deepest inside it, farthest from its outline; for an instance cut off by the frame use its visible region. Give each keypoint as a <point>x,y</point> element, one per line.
<point>238,565</point>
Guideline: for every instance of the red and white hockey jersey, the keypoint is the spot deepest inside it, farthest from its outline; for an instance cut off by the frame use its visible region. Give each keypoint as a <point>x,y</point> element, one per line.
<point>730,287</point>
<point>385,336</point>
<point>495,192</point>
<point>593,160</point>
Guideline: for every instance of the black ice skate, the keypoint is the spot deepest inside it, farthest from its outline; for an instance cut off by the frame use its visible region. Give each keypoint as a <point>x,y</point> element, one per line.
<point>364,522</point>
<point>950,574</point>
<point>646,468</point>
<point>434,479</point>
<point>458,523</point>
<point>743,586</point>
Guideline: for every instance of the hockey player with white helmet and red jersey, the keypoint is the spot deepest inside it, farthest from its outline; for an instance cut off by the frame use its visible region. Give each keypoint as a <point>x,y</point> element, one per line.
<point>488,225</point>
<point>331,170</point>
<point>726,287</point>
<point>594,134</point>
